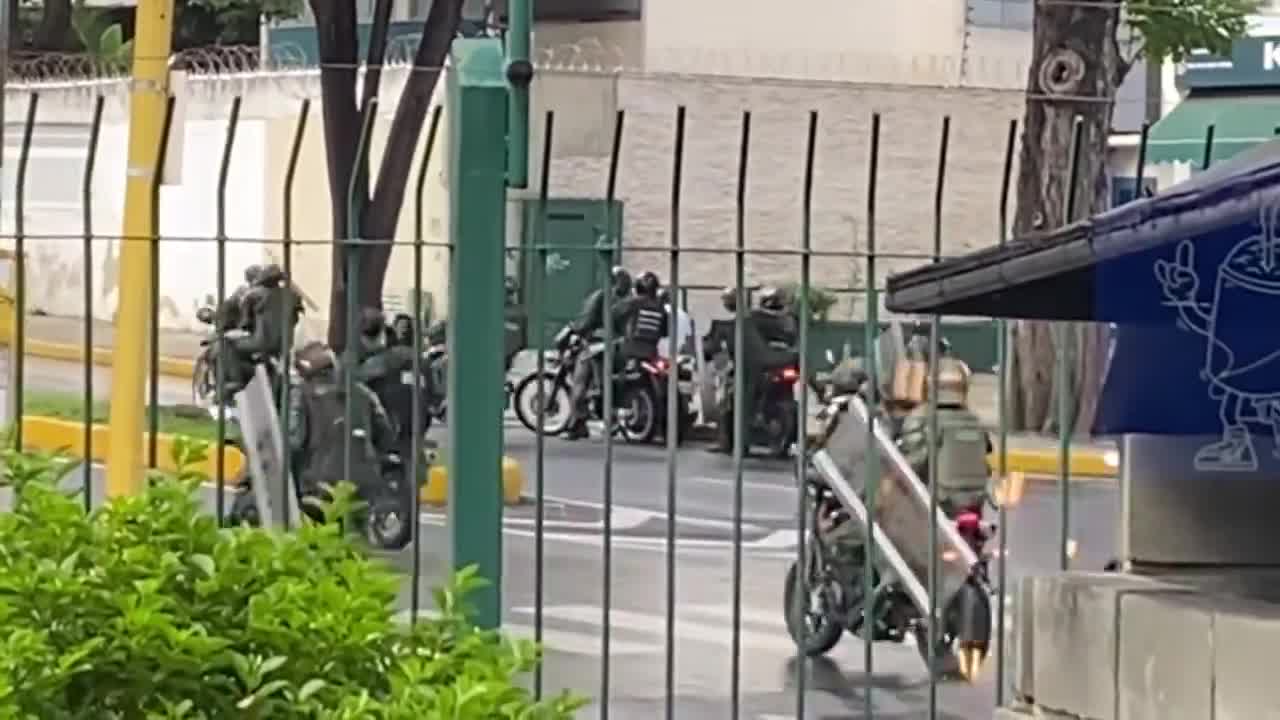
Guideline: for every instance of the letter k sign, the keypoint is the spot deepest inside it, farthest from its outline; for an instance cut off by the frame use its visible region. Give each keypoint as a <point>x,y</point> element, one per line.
<point>1270,55</point>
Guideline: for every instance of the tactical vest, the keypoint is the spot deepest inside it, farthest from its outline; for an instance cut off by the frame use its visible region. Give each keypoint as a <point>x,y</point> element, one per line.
<point>323,460</point>
<point>962,459</point>
<point>646,324</point>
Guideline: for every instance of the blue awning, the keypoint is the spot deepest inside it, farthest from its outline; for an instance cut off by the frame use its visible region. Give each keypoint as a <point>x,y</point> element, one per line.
<point>1190,277</point>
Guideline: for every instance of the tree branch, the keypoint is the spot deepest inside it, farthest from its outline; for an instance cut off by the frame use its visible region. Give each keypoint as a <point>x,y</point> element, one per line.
<point>440,28</point>
<point>336,41</point>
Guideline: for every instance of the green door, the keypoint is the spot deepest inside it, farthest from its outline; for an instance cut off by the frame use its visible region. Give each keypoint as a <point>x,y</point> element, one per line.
<point>575,229</point>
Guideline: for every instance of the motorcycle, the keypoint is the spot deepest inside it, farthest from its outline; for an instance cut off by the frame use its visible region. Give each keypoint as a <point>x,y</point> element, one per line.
<point>638,393</point>
<point>774,425</point>
<point>825,598</point>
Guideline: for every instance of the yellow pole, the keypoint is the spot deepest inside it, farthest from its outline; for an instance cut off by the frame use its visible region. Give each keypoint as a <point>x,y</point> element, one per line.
<point>149,95</point>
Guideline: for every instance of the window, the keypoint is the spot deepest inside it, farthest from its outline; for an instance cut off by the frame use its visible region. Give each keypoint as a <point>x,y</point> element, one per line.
<point>1004,14</point>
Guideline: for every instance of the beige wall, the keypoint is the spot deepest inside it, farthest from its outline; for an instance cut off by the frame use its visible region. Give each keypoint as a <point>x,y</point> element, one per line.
<point>911,125</point>
<point>902,42</point>
<point>312,219</point>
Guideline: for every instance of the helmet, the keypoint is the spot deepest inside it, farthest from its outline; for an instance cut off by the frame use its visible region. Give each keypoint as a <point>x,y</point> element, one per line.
<point>621,280</point>
<point>729,298</point>
<point>270,275</point>
<point>372,322</point>
<point>953,382</point>
<point>252,273</point>
<point>771,298</point>
<point>314,358</point>
<point>647,284</point>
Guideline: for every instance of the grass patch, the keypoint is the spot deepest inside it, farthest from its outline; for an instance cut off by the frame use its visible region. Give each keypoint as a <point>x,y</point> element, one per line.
<point>70,406</point>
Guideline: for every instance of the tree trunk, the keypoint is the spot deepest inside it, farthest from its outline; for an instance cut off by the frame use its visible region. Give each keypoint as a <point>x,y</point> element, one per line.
<point>1075,71</point>
<point>337,44</point>
<point>397,159</point>
<point>55,25</point>
<point>379,217</point>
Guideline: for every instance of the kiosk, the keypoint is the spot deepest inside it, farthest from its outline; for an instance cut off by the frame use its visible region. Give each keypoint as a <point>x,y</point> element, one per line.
<point>1190,279</point>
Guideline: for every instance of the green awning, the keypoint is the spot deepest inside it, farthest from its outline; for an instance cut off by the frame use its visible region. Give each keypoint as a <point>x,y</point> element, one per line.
<point>1239,122</point>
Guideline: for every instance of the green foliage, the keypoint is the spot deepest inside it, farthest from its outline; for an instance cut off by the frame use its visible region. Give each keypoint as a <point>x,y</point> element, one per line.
<point>101,37</point>
<point>146,609</point>
<point>1173,28</point>
<point>820,300</point>
<point>230,22</point>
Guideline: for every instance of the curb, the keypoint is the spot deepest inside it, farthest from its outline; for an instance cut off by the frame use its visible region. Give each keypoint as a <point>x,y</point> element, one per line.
<point>51,434</point>
<point>170,366</point>
<point>1083,463</point>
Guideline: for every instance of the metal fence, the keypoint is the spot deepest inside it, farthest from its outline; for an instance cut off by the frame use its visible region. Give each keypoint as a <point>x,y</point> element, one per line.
<point>685,680</point>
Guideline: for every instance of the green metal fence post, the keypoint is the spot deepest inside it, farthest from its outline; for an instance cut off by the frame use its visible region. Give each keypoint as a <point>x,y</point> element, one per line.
<point>477,100</point>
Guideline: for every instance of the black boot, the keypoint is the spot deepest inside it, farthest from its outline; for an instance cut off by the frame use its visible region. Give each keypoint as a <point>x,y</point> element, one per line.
<point>577,431</point>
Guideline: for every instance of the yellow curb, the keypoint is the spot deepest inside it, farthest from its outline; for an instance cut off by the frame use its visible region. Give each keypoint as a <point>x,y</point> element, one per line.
<point>171,366</point>
<point>436,491</point>
<point>1083,463</point>
<point>50,434</point>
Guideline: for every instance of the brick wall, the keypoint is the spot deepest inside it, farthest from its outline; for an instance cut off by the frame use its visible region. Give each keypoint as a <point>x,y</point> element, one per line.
<point>910,131</point>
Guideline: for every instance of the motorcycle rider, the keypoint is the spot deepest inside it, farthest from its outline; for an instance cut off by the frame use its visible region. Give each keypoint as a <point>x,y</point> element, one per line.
<point>647,322</point>
<point>230,315</point>
<point>268,310</point>
<point>769,335</point>
<point>776,323</point>
<point>962,446</point>
<point>382,368</point>
<point>590,320</point>
<point>319,435</point>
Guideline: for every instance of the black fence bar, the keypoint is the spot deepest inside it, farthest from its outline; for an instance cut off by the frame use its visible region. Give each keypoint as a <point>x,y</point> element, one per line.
<point>288,310</point>
<point>935,355</point>
<point>677,175</point>
<point>153,369</point>
<point>606,581</point>
<point>739,424</point>
<point>357,200</point>
<point>1002,405</point>
<point>873,410</point>
<point>802,411</point>
<point>540,490</point>
<point>19,348</point>
<point>1064,361</point>
<point>86,209</point>
<point>1208,148</point>
<point>415,471</point>
<point>224,352</point>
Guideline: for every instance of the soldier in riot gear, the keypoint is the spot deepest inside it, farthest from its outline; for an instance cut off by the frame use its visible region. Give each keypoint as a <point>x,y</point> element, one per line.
<point>230,311</point>
<point>318,426</point>
<point>588,323</point>
<point>774,319</point>
<point>646,321</point>
<point>962,445</point>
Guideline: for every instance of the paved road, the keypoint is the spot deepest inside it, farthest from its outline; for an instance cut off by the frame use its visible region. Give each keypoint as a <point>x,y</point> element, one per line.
<point>573,579</point>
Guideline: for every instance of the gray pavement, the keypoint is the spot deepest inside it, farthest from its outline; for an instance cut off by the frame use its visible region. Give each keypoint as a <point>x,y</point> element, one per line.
<point>572,580</point>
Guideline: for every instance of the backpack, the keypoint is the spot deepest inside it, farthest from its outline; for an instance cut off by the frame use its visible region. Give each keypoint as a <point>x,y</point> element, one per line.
<point>962,459</point>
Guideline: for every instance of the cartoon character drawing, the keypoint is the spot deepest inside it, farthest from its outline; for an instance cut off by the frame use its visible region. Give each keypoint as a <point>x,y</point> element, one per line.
<point>1242,366</point>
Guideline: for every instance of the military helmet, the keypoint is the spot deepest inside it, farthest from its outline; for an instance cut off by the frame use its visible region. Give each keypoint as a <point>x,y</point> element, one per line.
<point>953,382</point>
<point>314,358</point>
<point>252,273</point>
<point>647,284</point>
<point>729,298</point>
<point>621,280</point>
<point>772,298</point>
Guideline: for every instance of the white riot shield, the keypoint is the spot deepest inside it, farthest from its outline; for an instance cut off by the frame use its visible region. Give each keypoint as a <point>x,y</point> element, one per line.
<point>265,451</point>
<point>901,509</point>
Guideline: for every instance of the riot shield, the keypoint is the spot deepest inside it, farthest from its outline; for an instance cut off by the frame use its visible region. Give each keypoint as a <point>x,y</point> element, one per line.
<point>901,508</point>
<point>265,451</point>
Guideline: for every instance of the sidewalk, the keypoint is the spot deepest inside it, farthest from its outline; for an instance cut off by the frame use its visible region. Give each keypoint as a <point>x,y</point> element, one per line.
<point>62,338</point>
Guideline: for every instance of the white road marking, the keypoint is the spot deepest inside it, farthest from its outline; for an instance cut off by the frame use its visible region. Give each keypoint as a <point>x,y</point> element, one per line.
<point>685,629</point>
<point>788,489</point>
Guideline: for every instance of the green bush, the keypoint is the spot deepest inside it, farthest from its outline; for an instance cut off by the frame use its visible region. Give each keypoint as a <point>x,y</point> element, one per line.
<point>145,609</point>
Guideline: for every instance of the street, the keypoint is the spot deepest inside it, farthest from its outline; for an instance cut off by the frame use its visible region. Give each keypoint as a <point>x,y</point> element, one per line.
<point>573,581</point>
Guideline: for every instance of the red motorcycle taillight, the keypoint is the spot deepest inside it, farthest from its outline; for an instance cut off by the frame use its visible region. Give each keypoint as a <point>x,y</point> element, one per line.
<point>789,375</point>
<point>968,521</point>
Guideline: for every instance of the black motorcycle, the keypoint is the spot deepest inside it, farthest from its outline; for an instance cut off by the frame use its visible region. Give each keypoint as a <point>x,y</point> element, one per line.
<point>639,392</point>
<point>775,424</point>
<point>830,600</point>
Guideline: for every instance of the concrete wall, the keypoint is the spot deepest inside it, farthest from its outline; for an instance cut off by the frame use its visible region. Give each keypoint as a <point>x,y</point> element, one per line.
<point>910,130</point>
<point>254,226</point>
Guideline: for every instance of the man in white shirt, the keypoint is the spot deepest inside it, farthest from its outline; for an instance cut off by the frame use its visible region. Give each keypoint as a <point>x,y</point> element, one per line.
<point>690,343</point>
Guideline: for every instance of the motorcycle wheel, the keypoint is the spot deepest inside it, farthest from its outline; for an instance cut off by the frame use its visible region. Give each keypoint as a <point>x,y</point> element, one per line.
<point>821,632</point>
<point>780,441</point>
<point>965,640</point>
<point>558,407</point>
<point>388,525</point>
<point>202,382</point>
<point>244,511</point>
<point>640,423</point>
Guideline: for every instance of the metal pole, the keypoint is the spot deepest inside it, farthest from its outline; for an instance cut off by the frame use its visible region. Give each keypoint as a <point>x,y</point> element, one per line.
<point>149,92</point>
<point>519,76</point>
<point>1062,375</point>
